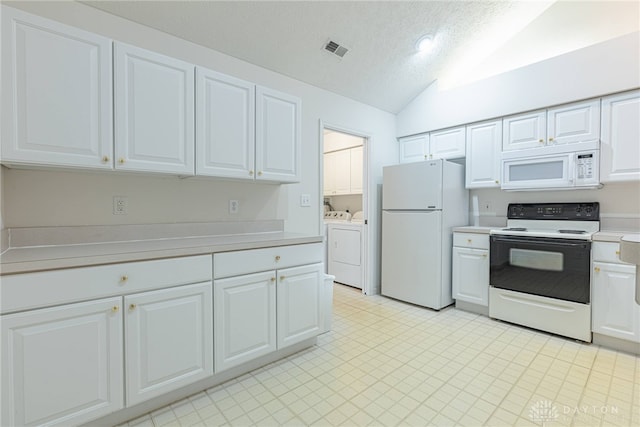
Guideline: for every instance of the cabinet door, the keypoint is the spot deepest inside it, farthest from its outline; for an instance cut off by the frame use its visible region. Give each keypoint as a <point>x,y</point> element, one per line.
<point>524,131</point>
<point>154,99</point>
<point>356,169</point>
<point>615,312</point>
<point>414,148</point>
<point>299,303</point>
<point>329,177</point>
<point>470,275</point>
<point>169,340</point>
<point>484,143</point>
<point>620,148</point>
<point>225,133</point>
<point>62,365</point>
<point>244,318</point>
<point>447,143</point>
<point>278,119</point>
<point>578,122</point>
<point>341,170</point>
<point>56,94</point>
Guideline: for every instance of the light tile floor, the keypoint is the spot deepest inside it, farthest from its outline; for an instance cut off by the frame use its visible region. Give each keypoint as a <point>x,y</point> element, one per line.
<point>387,363</point>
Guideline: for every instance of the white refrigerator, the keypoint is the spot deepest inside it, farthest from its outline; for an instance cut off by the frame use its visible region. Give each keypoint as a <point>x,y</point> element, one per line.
<point>421,203</point>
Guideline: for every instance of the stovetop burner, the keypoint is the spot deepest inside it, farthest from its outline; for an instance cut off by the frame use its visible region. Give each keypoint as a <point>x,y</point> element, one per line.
<point>577,221</point>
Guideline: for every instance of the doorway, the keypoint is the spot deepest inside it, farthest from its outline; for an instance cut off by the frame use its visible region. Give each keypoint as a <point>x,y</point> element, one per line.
<point>344,190</point>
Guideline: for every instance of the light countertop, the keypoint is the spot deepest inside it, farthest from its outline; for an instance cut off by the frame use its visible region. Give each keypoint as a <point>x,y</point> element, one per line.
<point>22,259</point>
<point>473,229</point>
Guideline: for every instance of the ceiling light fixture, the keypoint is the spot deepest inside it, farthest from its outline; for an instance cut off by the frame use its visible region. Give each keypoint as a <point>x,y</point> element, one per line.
<point>424,43</point>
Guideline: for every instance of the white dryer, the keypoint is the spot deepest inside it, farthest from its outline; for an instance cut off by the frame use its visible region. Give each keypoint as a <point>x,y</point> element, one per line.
<point>345,251</point>
<point>332,217</point>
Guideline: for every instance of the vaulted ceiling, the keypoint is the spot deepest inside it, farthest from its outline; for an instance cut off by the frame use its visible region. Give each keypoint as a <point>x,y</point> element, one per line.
<point>473,39</point>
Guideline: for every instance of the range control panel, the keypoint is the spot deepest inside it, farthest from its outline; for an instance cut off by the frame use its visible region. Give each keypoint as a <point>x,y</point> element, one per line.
<point>558,211</point>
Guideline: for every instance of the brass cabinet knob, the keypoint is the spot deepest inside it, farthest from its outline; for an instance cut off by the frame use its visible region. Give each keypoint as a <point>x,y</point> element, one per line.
<point>259,173</point>
<point>105,159</point>
<point>124,278</point>
<point>497,182</point>
<point>273,279</point>
<point>121,160</point>
<point>484,255</point>
<point>115,308</point>
<point>426,157</point>
<point>277,258</point>
<point>597,269</point>
<point>617,252</point>
<point>550,139</point>
<point>541,141</point>
<point>282,278</point>
<point>469,240</point>
<point>132,306</point>
<point>250,173</point>
<point>431,156</point>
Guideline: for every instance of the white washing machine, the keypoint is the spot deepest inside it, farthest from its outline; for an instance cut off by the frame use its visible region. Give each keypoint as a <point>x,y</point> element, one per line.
<point>332,217</point>
<point>345,251</point>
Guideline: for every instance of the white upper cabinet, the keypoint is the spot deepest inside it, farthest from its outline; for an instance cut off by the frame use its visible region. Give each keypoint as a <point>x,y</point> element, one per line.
<point>278,136</point>
<point>447,143</point>
<point>524,131</point>
<point>337,175</point>
<point>572,123</point>
<point>343,172</point>
<point>414,148</point>
<point>56,94</point>
<point>225,125</point>
<point>620,148</point>
<point>566,124</point>
<point>484,141</point>
<point>441,144</point>
<point>356,169</point>
<point>154,117</point>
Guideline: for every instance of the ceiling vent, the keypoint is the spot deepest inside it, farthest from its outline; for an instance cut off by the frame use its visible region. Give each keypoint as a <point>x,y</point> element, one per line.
<point>335,48</point>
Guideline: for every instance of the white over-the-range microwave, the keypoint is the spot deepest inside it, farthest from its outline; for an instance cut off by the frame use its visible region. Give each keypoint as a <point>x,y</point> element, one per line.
<point>561,171</point>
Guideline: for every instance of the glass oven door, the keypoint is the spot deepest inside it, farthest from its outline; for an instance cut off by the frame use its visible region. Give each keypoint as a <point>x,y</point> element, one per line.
<point>555,268</point>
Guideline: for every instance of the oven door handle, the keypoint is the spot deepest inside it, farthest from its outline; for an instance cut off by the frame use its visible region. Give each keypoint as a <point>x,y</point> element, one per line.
<point>541,241</point>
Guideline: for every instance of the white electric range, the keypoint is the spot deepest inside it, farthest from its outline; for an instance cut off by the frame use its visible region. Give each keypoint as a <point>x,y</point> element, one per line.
<point>540,267</point>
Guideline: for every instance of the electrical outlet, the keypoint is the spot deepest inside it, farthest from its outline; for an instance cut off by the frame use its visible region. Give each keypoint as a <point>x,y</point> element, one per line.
<point>120,205</point>
<point>234,206</point>
<point>305,200</point>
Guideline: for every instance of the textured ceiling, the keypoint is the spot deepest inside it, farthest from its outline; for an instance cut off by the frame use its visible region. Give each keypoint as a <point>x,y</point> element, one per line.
<point>381,68</point>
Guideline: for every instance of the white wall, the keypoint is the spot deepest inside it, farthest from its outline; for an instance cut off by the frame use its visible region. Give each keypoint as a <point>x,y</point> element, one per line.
<point>604,68</point>
<point>38,198</point>
<point>84,198</point>
<point>619,203</point>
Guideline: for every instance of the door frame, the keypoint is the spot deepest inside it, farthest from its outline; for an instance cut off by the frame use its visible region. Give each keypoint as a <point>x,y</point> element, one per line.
<point>368,288</point>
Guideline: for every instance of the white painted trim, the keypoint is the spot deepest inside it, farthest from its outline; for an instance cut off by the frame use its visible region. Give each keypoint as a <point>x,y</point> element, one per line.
<point>368,288</point>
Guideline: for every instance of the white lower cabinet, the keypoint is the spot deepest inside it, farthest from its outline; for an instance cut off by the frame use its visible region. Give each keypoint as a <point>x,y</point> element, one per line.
<point>470,268</point>
<point>265,300</point>
<point>298,306</point>
<point>245,318</point>
<point>62,365</point>
<point>168,340</point>
<point>614,310</point>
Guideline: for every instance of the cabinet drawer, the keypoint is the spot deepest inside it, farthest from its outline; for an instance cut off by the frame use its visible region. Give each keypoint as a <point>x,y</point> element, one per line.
<point>471,240</point>
<point>48,288</point>
<point>228,264</point>
<point>606,252</point>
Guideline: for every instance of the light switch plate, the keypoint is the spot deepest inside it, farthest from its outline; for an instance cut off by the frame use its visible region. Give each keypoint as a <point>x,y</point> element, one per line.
<point>305,200</point>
